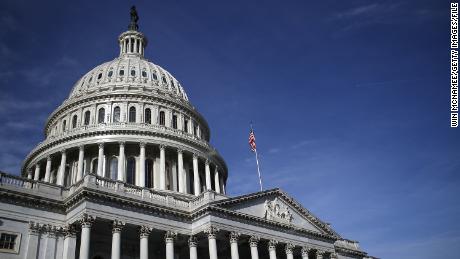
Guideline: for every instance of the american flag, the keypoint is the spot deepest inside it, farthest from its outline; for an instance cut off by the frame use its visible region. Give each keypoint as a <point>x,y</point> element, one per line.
<point>252,141</point>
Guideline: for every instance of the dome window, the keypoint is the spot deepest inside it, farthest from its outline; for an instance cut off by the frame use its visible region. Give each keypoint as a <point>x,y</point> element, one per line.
<point>116,114</point>
<point>144,74</point>
<point>121,73</point>
<point>186,125</point>
<point>148,116</point>
<point>154,76</point>
<point>162,118</point>
<point>99,76</point>
<point>164,80</point>
<point>110,73</point>
<point>63,125</point>
<point>113,168</point>
<point>132,114</point>
<point>133,72</point>
<point>101,115</point>
<point>131,170</point>
<point>174,121</point>
<point>74,121</point>
<point>90,79</point>
<point>87,117</point>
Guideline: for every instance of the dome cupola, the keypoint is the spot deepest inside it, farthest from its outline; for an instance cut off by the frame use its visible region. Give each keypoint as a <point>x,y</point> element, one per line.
<point>132,42</point>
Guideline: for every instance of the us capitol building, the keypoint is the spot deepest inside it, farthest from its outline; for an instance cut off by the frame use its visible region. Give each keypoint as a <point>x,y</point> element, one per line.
<point>126,171</point>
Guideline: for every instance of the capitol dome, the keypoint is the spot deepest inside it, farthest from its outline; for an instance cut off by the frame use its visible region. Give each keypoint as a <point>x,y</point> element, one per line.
<point>129,120</point>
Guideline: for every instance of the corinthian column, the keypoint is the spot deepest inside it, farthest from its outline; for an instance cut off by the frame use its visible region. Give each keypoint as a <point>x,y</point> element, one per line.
<point>144,233</point>
<point>100,160</point>
<point>81,155</point>
<point>86,223</point>
<point>208,175</point>
<point>121,162</point>
<point>234,245</point>
<point>319,254</point>
<point>50,245</point>
<point>142,164</point>
<point>180,167</point>
<point>169,240</point>
<point>32,244</point>
<point>216,180</point>
<point>196,177</point>
<point>272,248</point>
<point>117,226</point>
<point>61,172</point>
<point>305,251</point>
<point>192,242</point>
<point>212,231</point>
<point>48,169</point>
<point>70,242</point>
<point>253,242</point>
<point>289,248</point>
<point>162,168</point>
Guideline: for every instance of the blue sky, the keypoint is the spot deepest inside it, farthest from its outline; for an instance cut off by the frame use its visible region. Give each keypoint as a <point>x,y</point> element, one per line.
<point>349,99</point>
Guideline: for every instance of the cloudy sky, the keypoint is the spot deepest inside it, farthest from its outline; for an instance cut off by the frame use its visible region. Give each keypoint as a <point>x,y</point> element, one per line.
<point>349,99</point>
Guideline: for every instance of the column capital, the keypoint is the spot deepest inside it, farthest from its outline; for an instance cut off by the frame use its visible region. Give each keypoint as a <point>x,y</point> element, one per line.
<point>87,220</point>
<point>63,151</point>
<point>234,237</point>
<point>121,143</point>
<point>81,147</point>
<point>162,147</point>
<point>206,162</point>
<point>117,226</point>
<point>305,250</point>
<point>319,254</point>
<point>192,241</point>
<point>142,144</point>
<point>211,231</point>
<point>180,150</point>
<point>195,156</point>
<point>272,244</point>
<point>334,255</point>
<point>101,145</point>
<point>289,247</point>
<point>50,230</point>
<point>48,158</point>
<point>69,230</point>
<point>34,228</point>
<point>144,231</point>
<point>170,236</point>
<point>254,241</point>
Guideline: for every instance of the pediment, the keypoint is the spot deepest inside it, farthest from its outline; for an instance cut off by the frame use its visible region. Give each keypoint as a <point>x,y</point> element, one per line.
<point>275,205</point>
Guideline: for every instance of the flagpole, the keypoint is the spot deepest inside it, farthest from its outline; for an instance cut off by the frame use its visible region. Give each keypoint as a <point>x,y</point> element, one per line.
<point>258,170</point>
<point>257,162</point>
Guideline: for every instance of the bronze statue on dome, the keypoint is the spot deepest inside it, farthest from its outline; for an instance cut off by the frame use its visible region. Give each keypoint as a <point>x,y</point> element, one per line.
<point>134,18</point>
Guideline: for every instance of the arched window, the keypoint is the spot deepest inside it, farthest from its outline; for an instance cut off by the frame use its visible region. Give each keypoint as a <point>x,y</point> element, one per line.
<point>113,168</point>
<point>174,121</point>
<point>116,114</point>
<point>133,72</point>
<point>132,114</point>
<point>99,76</point>
<point>149,173</point>
<point>87,115</point>
<point>144,74</point>
<point>63,125</point>
<point>131,170</point>
<point>195,129</point>
<point>100,115</point>
<point>121,72</point>
<point>162,118</point>
<point>74,121</point>
<point>186,125</point>
<point>110,73</point>
<point>154,76</point>
<point>148,116</point>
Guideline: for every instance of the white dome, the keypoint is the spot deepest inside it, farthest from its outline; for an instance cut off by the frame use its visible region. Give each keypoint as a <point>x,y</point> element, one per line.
<point>134,70</point>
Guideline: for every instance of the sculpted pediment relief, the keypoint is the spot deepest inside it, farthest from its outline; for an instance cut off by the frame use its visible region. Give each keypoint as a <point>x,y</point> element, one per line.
<point>277,211</point>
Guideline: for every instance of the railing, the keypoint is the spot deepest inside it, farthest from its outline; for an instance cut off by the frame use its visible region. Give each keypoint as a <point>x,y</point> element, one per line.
<point>16,181</point>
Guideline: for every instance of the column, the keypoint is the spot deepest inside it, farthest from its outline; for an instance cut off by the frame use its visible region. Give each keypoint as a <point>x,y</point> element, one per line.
<point>319,254</point>
<point>81,154</point>
<point>333,255</point>
<point>100,160</point>
<point>86,222</point>
<point>169,240</point>
<point>222,189</point>
<point>70,242</point>
<point>216,180</point>
<point>272,248</point>
<point>135,45</point>
<point>192,243</point>
<point>305,251</point>
<point>162,168</point>
<point>196,177</point>
<point>234,245</point>
<point>48,169</point>
<point>50,245</point>
<point>32,245</point>
<point>180,168</point>
<point>29,174</point>
<point>142,164</point>
<point>208,175</point>
<point>37,172</point>
<point>121,162</point>
<point>253,242</point>
<point>211,232</point>
<point>117,226</point>
<point>289,248</point>
<point>61,172</point>
<point>144,233</point>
